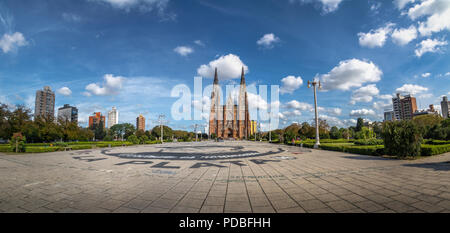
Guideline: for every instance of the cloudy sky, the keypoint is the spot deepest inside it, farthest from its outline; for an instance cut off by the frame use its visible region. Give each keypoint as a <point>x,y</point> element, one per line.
<point>97,54</point>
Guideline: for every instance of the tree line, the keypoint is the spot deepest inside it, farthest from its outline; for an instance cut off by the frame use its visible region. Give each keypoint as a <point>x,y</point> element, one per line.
<point>19,119</point>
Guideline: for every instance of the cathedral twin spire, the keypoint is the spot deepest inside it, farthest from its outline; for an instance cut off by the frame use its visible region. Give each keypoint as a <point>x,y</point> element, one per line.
<point>216,77</point>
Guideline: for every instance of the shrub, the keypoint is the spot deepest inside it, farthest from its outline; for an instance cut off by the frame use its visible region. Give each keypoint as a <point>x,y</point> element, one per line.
<point>428,150</point>
<point>376,150</point>
<point>401,138</point>
<point>133,139</point>
<point>437,142</point>
<point>37,149</point>
<point>371,141</point>
<point>17,143</point>
<point>153,142</point>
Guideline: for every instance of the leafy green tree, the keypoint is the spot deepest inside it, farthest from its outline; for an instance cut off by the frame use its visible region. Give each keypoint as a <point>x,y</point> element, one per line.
<point>365,133</point>
<point>17,143</point>
<point>335,133</point>
<point>167,132</point>
<point>401,138</point>
<point>359,124</point>
<point>143,139</point>
<point>133,139</point>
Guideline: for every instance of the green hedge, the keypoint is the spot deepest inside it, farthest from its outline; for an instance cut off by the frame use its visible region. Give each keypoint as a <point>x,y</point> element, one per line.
<point>372,141</point>
<point>428,150</point>
<point>436,142</point>
<point>152,142</point>
<point>38,149</point>
<point>5,148</point>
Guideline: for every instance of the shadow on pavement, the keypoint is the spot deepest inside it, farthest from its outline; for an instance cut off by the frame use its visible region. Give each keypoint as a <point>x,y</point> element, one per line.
<point>365,157</point>
<point>441,166</point>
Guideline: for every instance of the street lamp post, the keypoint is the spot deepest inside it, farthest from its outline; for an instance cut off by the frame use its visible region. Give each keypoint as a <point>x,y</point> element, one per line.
<point>314,84</point>
<point>270,132</point>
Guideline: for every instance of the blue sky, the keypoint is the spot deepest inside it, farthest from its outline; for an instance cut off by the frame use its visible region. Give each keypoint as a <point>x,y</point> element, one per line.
<point>130,53</point>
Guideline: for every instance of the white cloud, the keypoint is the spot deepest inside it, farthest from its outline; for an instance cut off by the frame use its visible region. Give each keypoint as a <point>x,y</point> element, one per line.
<point>144,5</point>
<point>362,112</point>
<point>333,111</point>
<point>294,104</point>
<point>426,75</point>
<point>65,91</point>
<point>11,42</point>
<point>403,36</point>
<point>400,4</point>
<point>364,94</point>
<point>411,89</point>
<point>375,38</point>
<point>183,50</point>
<point>228,67</point>
<point>199,42</point>
<point>438,12</point>
<point>268,40</point>
<point>111,86</point>
<point>382,105</point>
<point>385,97</point>
<point>71,17</point>
<point>290,84</point>
<point>351,73</point>
<point>290,114</point>
<point>429,46</point>
<point>327,5</point>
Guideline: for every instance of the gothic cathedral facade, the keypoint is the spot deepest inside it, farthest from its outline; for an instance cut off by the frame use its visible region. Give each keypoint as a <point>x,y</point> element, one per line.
<point>229,120</point>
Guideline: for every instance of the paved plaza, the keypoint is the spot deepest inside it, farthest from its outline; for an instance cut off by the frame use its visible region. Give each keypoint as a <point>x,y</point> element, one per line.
<point>217,177</point>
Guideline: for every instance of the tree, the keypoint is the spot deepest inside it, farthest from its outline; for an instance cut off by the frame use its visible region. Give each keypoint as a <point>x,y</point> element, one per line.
<point>17,143</point>
<point>123,130</point>
<point>359,124</point>
<point>365,133</point>
<point>133,139</point>
<point>167,132</point>
<point>306,131</point>
<point>401,138</point>
<point>335,133</point>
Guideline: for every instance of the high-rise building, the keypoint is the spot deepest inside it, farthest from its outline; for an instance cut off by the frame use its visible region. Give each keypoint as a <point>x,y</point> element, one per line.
<point>404,107</point>
<point>45,103</point>
<point>140,123</point>
<point>68,113</point>
<point>389,116</point>
<point>445,107</point>
<point>113,117</point>
<point>253,127</point>
<point>96,119</point>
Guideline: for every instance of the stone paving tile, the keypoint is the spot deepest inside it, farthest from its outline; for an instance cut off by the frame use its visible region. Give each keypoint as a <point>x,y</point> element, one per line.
<point>313,204</point>
<point>269,209</point>
<point>369,206</point>
<point>427,207</point>
<point>398,206</point>
<point>237,206</point>
<point>211,209</point>
<point>316,181</point>
<point>340,206</point>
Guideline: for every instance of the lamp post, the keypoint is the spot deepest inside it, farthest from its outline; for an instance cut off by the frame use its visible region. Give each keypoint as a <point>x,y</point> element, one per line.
<point>270,132</point>
<point>314,84</point>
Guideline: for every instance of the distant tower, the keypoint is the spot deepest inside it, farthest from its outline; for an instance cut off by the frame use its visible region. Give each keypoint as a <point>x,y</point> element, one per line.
<point>445,107</point>
<point>140,123</point>
<point>96,119</point>
<point>113,117</point>
<point>45,103</point>
<point>68,113</point>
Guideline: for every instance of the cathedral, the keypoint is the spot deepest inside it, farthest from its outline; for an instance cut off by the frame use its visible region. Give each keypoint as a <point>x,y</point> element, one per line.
<point>229,120</point>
